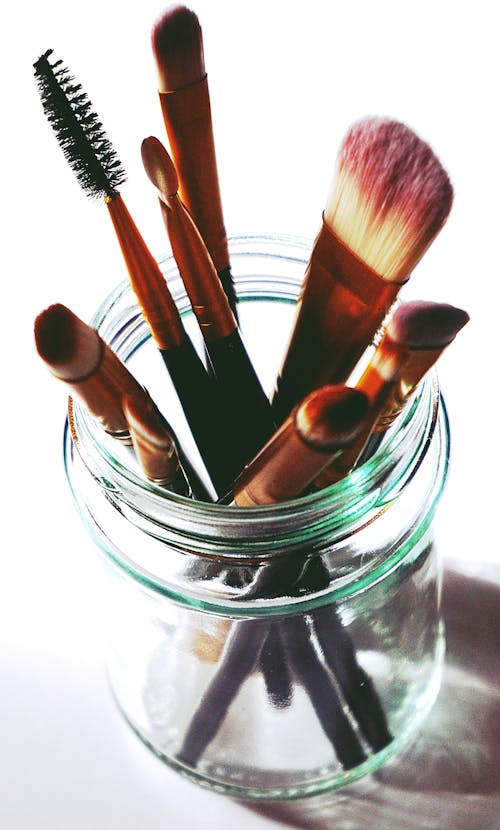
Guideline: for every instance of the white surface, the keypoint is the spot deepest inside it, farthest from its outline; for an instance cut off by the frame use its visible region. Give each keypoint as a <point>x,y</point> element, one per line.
<point>286,81</point>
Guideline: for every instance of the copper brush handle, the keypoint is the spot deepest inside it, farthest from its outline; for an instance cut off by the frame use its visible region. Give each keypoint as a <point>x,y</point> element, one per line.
<point>197,392</point>
<point>418,364</point>
<point>416,367</point>
<point>102,393</point>
<point>188,121</point>
<point>340,308</point>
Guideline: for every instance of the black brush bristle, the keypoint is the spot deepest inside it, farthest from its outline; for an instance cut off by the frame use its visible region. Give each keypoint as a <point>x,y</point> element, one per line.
<point>78,129</point>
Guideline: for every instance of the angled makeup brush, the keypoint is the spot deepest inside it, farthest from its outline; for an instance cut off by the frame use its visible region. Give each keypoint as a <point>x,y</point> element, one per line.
<point>94,161</point>
<point>77,355</point>
<point>415,336</point>
<point>427,328</point>
<point>390,197</point>
<point>177,43</point>
<point>247,408</point>
<point>154,445</point>
<point>318,428</point>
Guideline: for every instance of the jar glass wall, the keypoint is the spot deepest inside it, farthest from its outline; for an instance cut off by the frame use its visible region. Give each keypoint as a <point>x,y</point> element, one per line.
<point>275,651</point>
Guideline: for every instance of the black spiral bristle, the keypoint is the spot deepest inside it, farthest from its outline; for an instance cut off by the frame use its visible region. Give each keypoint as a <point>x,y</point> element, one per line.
<point>79,131</point>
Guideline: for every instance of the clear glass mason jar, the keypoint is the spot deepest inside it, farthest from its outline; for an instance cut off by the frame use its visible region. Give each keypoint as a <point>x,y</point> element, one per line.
<point>322,673</point>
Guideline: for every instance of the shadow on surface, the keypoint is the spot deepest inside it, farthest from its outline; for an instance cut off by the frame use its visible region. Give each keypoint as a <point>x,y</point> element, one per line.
<point>448,778</point>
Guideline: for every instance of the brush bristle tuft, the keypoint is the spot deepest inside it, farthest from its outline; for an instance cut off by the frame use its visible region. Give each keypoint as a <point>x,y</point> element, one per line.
<point>79,132</point>
<point>177,43</point>
<point>419,324</point>
<point>390,196</point>
<point>70,347</point>
<point>55,334</point>
<point>331,417</point>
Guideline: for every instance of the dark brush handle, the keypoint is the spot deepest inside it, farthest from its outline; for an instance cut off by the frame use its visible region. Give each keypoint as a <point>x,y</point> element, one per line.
<point>202,405</point>
<point>339,653</point>
<point>240,655</point>
<point>247,408</point>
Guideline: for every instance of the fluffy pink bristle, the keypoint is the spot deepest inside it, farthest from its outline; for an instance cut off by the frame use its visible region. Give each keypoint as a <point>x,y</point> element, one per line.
<point>398,170</point>
<point>390,196</point>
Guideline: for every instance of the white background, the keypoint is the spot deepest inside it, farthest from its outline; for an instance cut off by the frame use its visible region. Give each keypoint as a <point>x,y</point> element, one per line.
<point>286,81</point>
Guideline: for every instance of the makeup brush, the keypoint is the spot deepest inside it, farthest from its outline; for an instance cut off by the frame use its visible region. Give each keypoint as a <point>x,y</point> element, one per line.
<point>316,431</point>
<point>154,445</point>
<point>428,328</point>
<point>177,43</point>
<point>389,198</point>
<point>98,170</point>
<point>77,355</point>
<point>415,336</point>
<point>247,408</point>
<point>318,428</point>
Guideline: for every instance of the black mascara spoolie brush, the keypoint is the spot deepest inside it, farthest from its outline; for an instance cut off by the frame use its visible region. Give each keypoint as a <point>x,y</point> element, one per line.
<point>100,173</point>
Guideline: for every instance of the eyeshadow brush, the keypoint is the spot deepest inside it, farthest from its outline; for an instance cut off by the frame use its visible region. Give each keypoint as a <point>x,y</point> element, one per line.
<point>429,328</point>
<point>154,446</point>
<point>414,338</point>
<point>178,50</point>
<point>76,354</point>
<point>248,414</point>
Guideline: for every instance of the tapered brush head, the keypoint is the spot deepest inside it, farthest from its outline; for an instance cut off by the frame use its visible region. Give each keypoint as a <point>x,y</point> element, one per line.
<point>331,417</point>
<point>419,324</point>
<point>390,196</point>
<point>159,167</point>
<point>78,130</point>
<point>71,349</point>
<point>178,48</point>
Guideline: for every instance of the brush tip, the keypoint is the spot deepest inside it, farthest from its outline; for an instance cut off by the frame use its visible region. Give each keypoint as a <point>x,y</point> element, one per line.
<point>390,195</point>
<point>331,417</point>
<point>159,167</point>
<point>178,48</point>
<point>389,153</point>
<point>78,129</point>
<point>70,347</point>
<point>54,333</point>
<point>420,324</point>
